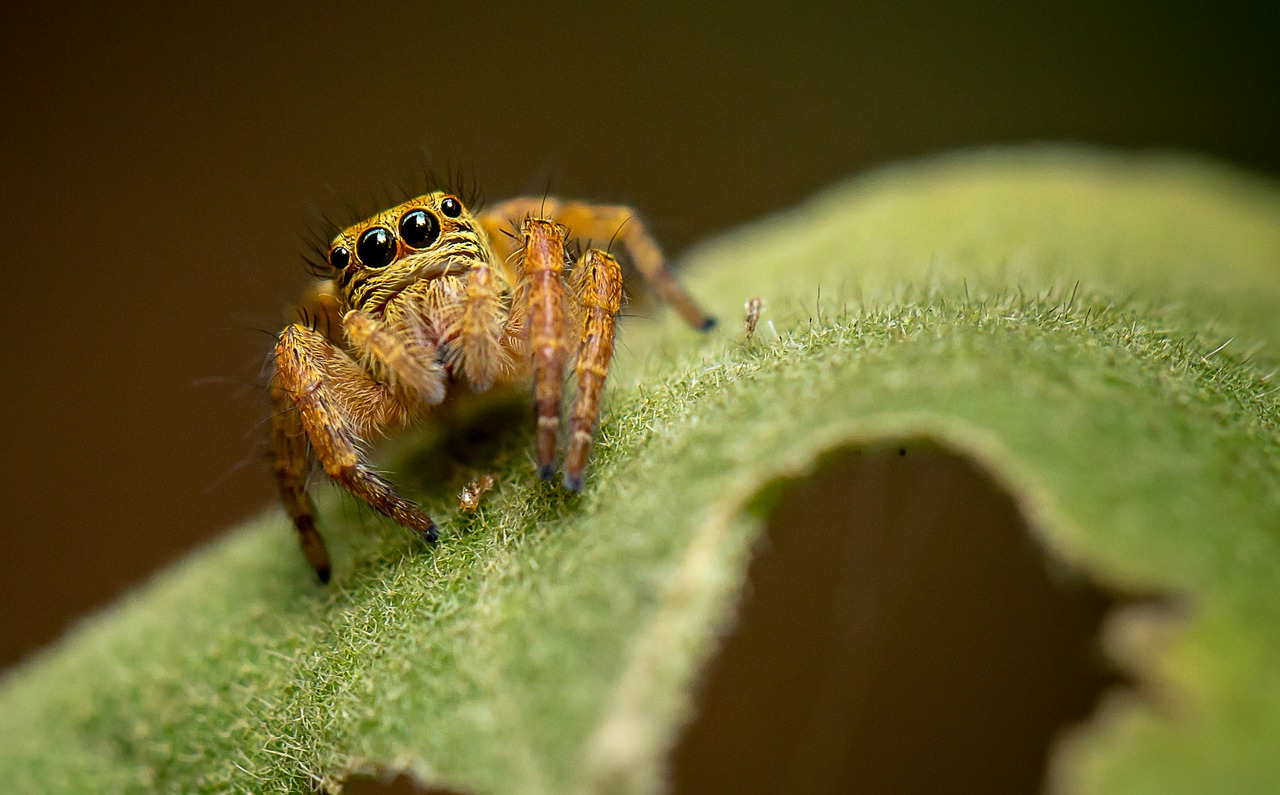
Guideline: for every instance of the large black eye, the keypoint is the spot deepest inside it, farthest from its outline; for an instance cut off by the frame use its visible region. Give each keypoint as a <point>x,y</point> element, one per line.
<point>340,258</point>
<point>376,248</point>
<point>451,207</point>
<point>419,228</point>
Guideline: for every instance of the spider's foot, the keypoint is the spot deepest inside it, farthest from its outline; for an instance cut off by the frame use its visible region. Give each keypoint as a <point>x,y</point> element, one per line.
<point>573,482</point>
<point>707,324</point>
<point>431,534</point>
<point>547,471</point>
<point>313,546</point>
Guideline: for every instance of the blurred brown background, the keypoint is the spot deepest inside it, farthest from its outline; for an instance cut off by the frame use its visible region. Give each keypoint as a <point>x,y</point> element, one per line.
<point>161,168</point>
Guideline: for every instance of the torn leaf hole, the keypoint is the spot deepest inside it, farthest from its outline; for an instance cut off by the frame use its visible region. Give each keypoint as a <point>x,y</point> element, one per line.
<point>901,631</point>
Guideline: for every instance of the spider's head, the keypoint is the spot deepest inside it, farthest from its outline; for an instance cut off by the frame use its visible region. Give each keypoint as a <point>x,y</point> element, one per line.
<point>376,260</point>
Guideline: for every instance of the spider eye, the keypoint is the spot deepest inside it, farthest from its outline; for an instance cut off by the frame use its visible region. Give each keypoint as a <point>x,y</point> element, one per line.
<point>339,258</point>
<point>419,228</point>
<point>451,207</point>
<point>376,248</point>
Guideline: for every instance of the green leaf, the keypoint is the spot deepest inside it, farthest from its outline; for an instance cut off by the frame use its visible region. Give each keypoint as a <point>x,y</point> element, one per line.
<point>1098,331</point>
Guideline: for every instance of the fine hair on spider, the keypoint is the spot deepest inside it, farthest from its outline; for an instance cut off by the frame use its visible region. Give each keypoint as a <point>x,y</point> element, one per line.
<point>432,298</point>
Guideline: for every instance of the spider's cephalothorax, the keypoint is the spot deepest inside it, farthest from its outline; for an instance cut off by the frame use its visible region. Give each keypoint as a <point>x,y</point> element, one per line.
<point>426,295</point>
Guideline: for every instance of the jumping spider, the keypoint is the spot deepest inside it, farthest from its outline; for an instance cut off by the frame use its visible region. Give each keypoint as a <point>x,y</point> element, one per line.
<point>426,297</point>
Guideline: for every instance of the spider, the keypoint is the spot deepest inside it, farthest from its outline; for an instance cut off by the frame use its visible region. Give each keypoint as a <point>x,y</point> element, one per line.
<point>427,297</point>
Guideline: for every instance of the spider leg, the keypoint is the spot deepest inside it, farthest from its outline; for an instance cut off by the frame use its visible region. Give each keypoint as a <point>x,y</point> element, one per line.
<point>597,286</point>
<point>337,402</point>
<point>543,269</point>
<point>606,222</point>
<point>406,356</point>
<point>477,322</point>
<point>292,462</point>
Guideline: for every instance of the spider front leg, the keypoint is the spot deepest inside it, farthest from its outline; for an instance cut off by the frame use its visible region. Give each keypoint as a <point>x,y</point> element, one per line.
<point>543,269</point>
<point>597,285</point>
<point>321,391</point>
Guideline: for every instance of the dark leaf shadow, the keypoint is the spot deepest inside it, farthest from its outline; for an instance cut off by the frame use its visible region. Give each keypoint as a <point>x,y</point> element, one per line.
<point>902,631</point>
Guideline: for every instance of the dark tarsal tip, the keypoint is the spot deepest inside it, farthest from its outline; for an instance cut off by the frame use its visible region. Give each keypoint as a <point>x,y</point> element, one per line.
<point>547,471</point>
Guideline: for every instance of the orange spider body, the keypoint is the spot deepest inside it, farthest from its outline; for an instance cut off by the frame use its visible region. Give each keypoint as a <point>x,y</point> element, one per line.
<point>425,296</point>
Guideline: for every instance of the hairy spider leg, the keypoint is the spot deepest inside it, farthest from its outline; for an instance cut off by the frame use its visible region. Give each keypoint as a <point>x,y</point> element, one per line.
<point>605,222</point>
<point>408,358</point>
<point>292,462</point>
<point>543,263</point>
<point>318,310</point>
<point>597,286</point>
<point>478,320</point>
<point>337,403</point>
